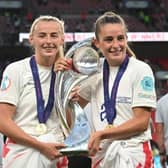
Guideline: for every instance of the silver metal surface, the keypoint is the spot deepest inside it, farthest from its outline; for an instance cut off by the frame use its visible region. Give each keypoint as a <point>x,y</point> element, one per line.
<point>86,62</point>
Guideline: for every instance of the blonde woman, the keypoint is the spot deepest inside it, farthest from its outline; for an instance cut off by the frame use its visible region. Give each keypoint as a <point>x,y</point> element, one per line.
<point>27,114</point>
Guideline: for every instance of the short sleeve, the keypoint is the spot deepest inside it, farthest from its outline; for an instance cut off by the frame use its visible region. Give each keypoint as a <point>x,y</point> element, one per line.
<point>144,93</point>
<point>9,91</point>
<point>86,87</point>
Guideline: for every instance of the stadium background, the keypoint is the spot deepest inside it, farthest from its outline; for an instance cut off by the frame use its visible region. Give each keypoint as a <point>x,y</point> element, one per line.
<point>149,16</point>
<point>16,17</point>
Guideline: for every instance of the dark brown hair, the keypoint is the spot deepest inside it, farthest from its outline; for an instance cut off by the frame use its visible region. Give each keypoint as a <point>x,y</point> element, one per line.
<point>113,18</point>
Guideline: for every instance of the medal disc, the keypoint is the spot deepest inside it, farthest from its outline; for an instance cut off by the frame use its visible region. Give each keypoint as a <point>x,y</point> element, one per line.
<point>109,126</point>
<point>41,128</point>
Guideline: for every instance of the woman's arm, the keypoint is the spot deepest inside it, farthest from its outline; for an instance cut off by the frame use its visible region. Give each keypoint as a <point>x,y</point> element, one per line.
<point>9,128</point>
<point>138,124</point>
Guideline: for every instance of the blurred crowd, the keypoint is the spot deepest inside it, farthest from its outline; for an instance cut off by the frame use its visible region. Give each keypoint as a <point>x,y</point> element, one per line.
<point>79,16</point>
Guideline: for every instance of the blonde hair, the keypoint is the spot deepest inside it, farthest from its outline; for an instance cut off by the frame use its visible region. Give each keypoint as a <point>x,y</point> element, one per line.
<point>49,18</point>
<point>46,18</point>
<point>111,17</point>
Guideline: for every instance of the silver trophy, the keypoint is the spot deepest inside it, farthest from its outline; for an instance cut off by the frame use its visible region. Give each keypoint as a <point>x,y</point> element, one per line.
<point>76,128</point>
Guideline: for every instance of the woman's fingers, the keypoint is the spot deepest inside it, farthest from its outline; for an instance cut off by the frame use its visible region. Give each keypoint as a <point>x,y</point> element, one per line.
<point>63,64</point>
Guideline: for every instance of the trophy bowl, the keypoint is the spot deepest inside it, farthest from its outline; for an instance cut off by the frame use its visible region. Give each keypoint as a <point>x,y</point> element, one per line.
<point>86,62</point>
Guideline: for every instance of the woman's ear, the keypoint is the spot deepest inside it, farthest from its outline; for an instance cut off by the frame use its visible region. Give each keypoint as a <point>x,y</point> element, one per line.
<point>31,40</point>
<point>96,42</point>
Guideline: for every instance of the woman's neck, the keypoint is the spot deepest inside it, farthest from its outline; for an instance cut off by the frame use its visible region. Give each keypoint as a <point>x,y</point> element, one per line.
<point>45,61</point>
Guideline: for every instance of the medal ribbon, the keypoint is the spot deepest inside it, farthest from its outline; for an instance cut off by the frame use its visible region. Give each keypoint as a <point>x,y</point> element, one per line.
<point>110,102</point>
<point>43,113</point>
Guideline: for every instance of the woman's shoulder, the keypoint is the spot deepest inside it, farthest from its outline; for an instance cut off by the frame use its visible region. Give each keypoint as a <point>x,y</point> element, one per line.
<point>139,64</point>
<point>18,65</point>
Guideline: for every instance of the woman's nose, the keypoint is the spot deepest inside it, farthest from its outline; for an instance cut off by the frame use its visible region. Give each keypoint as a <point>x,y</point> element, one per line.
<point>115,43</point>
<point>48,39</point>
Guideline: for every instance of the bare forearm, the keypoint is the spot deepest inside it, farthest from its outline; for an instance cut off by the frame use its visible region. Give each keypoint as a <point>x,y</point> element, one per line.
<point>161,146</point>
<point>130,128</point>
<point>16,134</point>
<point>9,128</point>
<point>138,124</point>
<point>160,142</point>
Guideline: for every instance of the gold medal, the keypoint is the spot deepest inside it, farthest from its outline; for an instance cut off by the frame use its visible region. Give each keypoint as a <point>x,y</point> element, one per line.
<point>41,128</point>
<point>109,126</point>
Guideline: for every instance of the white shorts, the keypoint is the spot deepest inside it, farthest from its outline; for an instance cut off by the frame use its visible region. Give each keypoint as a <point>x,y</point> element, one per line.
<point>121,154</point>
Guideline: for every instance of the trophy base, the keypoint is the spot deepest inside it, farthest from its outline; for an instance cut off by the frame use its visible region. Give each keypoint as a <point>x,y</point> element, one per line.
<point>75,150</point>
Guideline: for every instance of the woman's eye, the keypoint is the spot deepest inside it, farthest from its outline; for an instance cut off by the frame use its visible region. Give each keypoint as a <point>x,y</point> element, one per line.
<point>109,39</point>
<point>120,38</point>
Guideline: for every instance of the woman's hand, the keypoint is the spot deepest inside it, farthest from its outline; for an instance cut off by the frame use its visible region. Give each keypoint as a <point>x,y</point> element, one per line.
<point>74,95</point>
<point>94,143</point>
<point>51,150</point>
<point>63,64</point>
<point>163,160</point>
